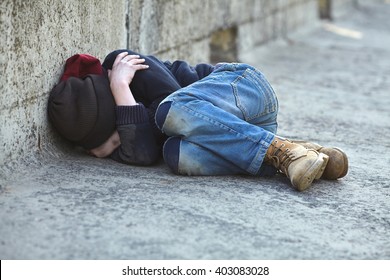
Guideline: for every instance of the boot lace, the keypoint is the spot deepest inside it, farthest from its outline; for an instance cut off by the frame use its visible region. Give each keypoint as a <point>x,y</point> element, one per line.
<point>281,157</point>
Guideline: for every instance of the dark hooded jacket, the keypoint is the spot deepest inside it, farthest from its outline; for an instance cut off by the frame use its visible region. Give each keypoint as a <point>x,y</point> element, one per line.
<point>141,140</point>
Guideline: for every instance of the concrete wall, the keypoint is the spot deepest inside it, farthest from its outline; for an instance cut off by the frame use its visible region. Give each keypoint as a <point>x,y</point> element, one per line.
<point>182,28</point>
<point>331,9</point>
<point>37,36</point>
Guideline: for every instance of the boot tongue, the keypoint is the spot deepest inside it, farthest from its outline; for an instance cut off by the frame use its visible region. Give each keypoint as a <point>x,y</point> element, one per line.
<point>287,156</point>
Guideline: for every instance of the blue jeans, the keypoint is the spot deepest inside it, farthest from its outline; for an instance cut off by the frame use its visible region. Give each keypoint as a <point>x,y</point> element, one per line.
<point>220,125</point>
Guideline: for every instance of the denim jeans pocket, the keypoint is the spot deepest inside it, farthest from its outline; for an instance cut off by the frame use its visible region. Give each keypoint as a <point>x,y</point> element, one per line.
<point>254,95</point>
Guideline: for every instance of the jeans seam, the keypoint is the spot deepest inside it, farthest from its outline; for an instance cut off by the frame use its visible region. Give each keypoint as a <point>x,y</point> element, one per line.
<point>271,103</point>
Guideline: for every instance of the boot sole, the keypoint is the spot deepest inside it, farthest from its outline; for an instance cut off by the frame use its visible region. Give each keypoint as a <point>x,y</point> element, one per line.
<point>314,172</point>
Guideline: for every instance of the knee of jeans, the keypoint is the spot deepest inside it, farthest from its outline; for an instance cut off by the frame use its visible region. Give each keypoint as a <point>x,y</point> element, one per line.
<point>171,153</point>
<point>161,114</point>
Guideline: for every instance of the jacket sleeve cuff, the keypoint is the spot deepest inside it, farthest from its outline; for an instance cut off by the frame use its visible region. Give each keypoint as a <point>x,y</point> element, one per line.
<point>131,114</point>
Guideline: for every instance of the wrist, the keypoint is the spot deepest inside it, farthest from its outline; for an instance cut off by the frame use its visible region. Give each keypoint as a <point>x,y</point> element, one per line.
<point>122,94</point>
<point>118,85</point>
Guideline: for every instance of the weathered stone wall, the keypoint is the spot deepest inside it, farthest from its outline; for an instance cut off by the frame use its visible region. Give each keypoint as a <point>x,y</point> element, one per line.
<point>182,29</point>
<point>37,36</point>
<point>330,9</point>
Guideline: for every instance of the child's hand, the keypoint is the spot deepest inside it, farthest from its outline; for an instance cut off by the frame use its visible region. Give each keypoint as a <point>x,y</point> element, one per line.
<point>121,75</point>
<point>124,68</point>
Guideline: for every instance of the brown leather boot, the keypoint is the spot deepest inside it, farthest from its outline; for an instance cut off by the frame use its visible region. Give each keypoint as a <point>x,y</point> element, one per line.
<point>337,166</point>
<point>299,164</point>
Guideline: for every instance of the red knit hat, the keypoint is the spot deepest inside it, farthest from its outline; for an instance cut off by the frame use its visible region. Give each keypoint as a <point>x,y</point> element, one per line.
<point>81,65</point>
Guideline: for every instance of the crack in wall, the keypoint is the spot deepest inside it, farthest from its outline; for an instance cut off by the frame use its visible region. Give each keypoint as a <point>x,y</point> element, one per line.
<point>127,24</point>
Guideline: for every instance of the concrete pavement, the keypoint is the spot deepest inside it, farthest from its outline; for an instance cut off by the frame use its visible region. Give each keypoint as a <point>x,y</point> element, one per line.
<point>333,85</point>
